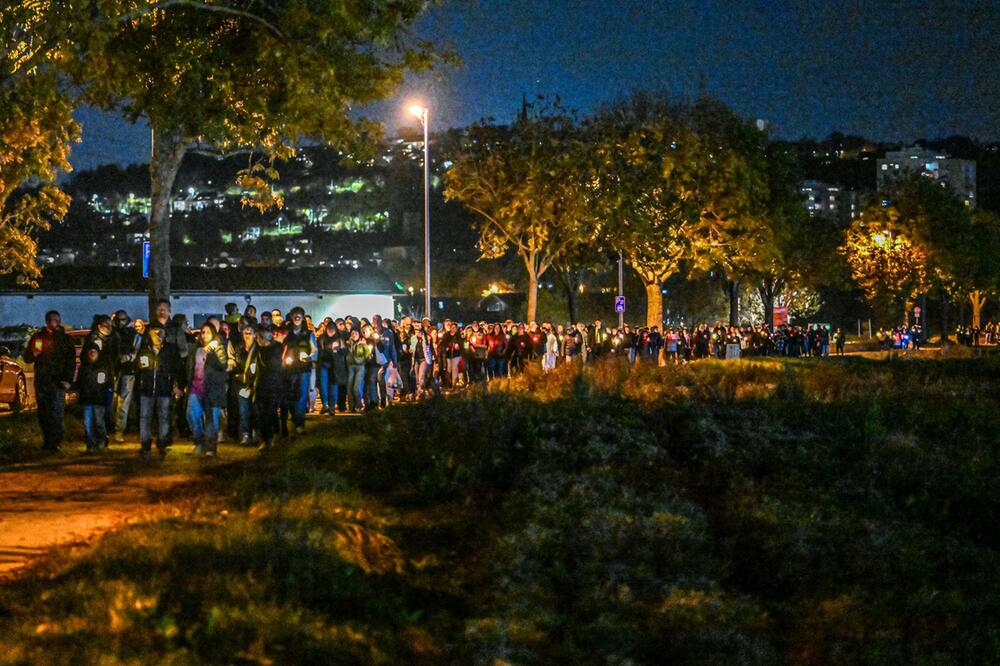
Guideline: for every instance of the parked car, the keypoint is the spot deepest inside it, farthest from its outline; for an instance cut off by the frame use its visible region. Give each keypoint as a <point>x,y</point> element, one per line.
<point>13,385</point>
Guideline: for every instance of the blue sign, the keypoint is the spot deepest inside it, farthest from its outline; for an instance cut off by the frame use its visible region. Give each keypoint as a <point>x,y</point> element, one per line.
<point>619,304</point>
<point>145,259</point>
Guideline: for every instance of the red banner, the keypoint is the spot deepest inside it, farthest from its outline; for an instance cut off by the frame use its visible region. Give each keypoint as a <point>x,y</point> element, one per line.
<point>780,316</point>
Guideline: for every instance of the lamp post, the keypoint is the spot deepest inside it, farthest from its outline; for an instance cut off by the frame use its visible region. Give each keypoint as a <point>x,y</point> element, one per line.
<point>423,113</point>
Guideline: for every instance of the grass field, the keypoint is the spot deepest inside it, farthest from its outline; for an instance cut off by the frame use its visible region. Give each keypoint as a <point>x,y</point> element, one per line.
<point>840,511</point>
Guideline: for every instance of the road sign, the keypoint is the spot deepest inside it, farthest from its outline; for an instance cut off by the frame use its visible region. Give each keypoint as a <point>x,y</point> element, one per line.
<point>145,259</point>
<point>619,304</point>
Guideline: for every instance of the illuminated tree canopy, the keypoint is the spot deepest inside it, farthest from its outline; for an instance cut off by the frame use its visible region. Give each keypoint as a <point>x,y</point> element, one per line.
<point>221,75</point>
<point>524,184</point>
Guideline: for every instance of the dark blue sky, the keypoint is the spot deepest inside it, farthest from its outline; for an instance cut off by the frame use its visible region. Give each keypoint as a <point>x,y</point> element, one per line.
<point>893,70</point>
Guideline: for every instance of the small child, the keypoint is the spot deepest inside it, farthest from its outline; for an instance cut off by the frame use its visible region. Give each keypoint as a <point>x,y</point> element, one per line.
<point>92,383</point>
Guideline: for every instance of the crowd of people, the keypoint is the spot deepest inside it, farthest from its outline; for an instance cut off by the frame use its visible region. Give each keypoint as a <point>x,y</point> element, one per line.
<point>901,337</point>
<point>977,336</point>
<point>259,375</point>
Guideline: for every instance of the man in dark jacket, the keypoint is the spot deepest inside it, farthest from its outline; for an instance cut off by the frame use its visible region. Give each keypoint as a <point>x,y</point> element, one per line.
<point>300,355</point>
<point>102,336</point>
<point>332,376</point>
<point>51,350</point>
<point>271,387</point>
<point>159,377</point>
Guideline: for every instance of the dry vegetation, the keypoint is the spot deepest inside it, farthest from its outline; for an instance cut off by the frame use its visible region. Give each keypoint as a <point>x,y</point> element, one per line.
<point>743,512</point>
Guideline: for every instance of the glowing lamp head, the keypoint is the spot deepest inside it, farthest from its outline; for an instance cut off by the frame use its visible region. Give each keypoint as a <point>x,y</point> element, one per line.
<point>879,239</point>
<point>418,110</point>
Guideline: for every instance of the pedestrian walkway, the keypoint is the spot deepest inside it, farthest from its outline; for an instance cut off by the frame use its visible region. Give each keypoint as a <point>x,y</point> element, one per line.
<point>72,498</point>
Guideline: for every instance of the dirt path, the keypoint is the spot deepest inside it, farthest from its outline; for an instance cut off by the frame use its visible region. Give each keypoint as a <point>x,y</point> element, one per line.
<point>73,498</point>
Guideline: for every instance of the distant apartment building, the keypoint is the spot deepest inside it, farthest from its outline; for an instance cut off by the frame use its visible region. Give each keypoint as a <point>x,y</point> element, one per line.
<point>830,201</point>
<point>957,174</point>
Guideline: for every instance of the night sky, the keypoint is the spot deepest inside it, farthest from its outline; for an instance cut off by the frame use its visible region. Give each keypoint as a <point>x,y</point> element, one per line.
<point>889,70</point>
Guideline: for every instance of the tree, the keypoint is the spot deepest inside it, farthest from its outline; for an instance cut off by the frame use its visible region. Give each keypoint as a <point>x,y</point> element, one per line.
<point>235,74</point>
<point>36,129</point>
<point>662,193</point>
<point>801,252</point>
<point>523,183</point>
<point>740,201</point>
<point>926,240</point>
<point>886,262</point>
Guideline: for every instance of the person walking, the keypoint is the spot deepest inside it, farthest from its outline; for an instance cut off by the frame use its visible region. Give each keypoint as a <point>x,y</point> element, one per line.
<point>51,350</point>
<point>551,352</point>
<point>130,342</point>
<point>270,387</point>
<point>245,366</point>
<point>424,356</point>
<point>300,355</point>
<point>207,391</point>
<point>357,356</point>
<point>92,386</point>
<point>159,378</point>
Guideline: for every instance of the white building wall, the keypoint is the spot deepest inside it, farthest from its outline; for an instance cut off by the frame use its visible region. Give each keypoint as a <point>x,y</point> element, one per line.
<point>78,308</point>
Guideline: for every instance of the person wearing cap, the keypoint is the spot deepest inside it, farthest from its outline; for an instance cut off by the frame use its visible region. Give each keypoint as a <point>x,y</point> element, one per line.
<point>300,355</point>
<point>159,379</point>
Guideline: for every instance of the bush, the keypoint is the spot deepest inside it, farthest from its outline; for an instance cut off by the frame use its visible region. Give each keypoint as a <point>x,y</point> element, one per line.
<point>835,511</point>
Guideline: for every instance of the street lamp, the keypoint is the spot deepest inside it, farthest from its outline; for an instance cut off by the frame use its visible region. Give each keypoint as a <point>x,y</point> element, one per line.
<point>423,113</point>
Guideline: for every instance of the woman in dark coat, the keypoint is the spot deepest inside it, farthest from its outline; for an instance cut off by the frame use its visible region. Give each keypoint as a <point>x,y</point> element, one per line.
<point>207,390</point>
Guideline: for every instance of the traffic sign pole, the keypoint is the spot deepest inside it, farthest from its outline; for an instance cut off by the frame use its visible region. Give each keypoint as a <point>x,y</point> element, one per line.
<point>620,301</point>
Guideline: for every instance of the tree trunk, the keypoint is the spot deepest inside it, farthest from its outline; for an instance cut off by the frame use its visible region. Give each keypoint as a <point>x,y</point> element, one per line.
<point>570,280</point>
<point>573,296</point>
<point>767,300</point>
<point>769,289</point>
<point>168,152</point>
<point>532,295</point>
<point>977,299</point>
<point>945,324</point>
<point>654,302</point>
<point>733,292</point>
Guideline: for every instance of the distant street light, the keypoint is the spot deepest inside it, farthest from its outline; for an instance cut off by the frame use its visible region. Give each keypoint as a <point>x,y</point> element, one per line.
<point>423,113</point>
